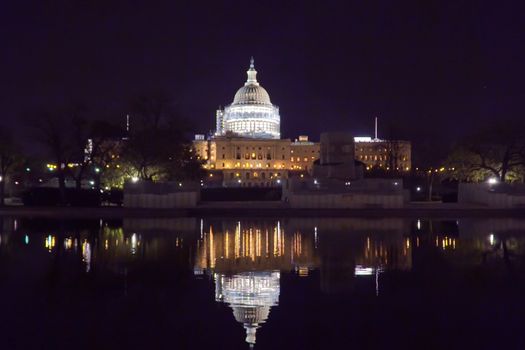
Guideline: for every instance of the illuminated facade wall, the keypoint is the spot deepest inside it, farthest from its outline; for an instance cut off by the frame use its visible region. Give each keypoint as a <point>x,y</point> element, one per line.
<point>256,162</point>
<point>384,154</point>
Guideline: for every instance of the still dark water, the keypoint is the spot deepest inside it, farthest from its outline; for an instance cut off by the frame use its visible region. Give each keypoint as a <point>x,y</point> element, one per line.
<point>315,283</point>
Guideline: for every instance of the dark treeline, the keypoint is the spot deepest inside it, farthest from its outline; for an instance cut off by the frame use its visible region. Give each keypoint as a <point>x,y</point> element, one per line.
<point>82,149</point>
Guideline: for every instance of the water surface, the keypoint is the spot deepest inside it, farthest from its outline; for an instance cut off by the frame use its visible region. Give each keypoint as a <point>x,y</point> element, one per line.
<point>316,283</point>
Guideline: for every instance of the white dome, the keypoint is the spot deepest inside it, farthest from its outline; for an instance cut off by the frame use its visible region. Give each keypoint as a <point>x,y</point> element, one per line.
<point>252,94</point>
<point>251,113</point>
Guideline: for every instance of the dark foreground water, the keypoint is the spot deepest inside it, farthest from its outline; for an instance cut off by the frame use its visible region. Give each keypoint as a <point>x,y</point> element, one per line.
<point>315,283</point>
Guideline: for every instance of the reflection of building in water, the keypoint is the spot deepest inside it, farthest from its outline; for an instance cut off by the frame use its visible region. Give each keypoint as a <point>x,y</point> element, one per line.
<point>357,254</point>
<point>385,252</point>
<point>245,260</point>
<point>239,247</point>
<point>251,296</point>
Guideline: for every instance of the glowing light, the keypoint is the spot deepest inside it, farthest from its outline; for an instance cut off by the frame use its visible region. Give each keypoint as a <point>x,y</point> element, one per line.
<point>50,243</point>
<point>68,243</point>
<point>363,271</point>
<point>134,179</point>
<point>492,181</point>
<point>133,243</point>
<point>418,189</point>
<point>491,239</point>
<point>362,139</point>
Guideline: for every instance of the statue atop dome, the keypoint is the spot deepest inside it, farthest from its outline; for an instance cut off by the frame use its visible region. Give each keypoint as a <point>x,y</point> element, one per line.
<point>252,74</point>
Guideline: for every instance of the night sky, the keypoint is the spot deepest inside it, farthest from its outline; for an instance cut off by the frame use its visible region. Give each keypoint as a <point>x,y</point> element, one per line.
<point>431,70</point>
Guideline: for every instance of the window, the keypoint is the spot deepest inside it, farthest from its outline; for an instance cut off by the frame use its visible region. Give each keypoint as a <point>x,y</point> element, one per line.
<point>268,156</point>
<point>253,156</point>
<point>247,176</point>
<point>238,155</point>
<point>246,156</point>
<point>283,156</point>
<point>259,156</point>
<point>223,156</point>
<point>263,175</point>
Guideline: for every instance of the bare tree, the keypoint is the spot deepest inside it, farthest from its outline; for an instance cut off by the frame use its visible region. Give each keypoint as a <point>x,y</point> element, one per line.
<point>9,159</point>
<point>51,129</point>
<point>157,138</point>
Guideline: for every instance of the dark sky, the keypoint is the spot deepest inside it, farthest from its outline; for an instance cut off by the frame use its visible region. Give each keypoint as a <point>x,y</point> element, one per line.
<point>430,69</point>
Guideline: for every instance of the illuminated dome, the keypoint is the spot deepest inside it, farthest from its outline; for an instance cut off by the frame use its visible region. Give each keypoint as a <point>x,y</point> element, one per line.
<point>251,94</point>
<point>251,114</point>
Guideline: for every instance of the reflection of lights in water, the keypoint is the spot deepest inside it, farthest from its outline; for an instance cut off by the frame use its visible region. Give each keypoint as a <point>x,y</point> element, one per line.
<point>68,243</point>
<point>86,254</point>
<point>250,295</point>
<point>491,239</point>
<point>133,243</point>
<point>303,271</point>
<point>446,243</point>
<point>26,239</point>
<point>363,271</point>
<point>369,271</point>
<point>419,224</point>
<point>50,243</point>
<point>316,241</point>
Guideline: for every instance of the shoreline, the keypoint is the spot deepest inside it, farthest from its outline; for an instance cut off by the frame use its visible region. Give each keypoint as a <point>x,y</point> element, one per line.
<point>251,209</point>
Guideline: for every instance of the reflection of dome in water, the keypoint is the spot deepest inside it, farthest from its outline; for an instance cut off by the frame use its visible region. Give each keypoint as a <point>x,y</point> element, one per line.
<point>250,295</point>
